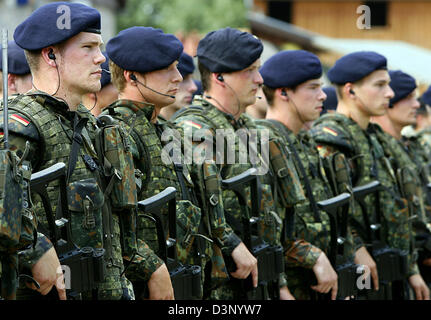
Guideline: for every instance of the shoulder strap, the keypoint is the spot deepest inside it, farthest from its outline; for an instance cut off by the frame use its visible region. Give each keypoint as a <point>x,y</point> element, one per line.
<point>301,168</point>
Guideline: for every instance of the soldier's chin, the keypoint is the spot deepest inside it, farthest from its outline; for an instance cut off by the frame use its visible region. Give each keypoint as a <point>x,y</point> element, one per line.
<point>94,88</point>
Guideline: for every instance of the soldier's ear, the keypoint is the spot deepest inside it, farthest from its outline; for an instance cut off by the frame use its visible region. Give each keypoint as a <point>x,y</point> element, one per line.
<point>11,78</point>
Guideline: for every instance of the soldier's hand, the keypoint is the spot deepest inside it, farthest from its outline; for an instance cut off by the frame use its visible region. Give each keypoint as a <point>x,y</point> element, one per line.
<point>48,273</point>
<point>285,294</point>
<point>160,285</point>
<point>327,278</point>
<point>419,286</point>
<point>363,257</point>
<point>245,262</point>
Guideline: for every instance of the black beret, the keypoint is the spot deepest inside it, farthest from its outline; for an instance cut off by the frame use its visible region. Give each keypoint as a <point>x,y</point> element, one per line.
<point>185,65</point>
<point>16,61</point>
<point>228,50</point>
<point>426,96</point>
<point>355,66</point>
<point>106,75</point>
<point>402,84</point>
<point>290,68</point>
<point>331,101</point>
<point>144,49</point>
<point>49,24</point>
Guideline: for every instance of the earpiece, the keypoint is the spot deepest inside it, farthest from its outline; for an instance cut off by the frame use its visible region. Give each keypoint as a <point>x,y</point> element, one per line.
<point>133,77</point>
<point>51,55</point>
<point>283,93</point>
<point>352,92</point>
<point>220,78</point>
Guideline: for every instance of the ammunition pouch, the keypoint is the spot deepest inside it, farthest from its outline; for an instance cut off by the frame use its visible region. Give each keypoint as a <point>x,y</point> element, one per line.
<point>113,146</point>
<point>85,202</point>
<point>17,223</point>
<point>392,263</point>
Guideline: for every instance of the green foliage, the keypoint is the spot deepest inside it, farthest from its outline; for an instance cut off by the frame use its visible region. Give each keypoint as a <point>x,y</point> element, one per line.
<point>184,15</point>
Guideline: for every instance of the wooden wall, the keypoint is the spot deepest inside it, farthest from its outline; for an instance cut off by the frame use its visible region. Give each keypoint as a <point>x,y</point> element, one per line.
<point>408,21</point>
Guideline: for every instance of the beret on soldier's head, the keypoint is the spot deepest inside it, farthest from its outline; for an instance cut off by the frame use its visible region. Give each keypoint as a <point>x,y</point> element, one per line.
<point>144,49</point>
<point>426,96</point>
<point>355,66</point>
<point>331,100</point>
<point>185,65</point>
<point>106,75</point>
<point>54,23</point>
<point>16,61</point>
<point>228,50</point>
<point>290,68</point>
<point>402,84</point>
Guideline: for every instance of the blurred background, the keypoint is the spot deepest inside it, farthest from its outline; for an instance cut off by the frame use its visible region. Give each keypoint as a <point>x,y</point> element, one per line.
<point>398,29</point>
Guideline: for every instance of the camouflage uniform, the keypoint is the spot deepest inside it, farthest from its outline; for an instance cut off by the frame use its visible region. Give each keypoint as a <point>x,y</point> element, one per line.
<point>157,173</point>
<point>48,125</point>
<point>335,132</point>
<point>313,227</point>
<point>204,115</point>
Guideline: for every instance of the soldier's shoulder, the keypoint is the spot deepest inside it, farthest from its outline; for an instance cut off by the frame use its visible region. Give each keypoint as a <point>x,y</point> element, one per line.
<point>331,130</point>
<point>21,125</point>
<point>192,117</point>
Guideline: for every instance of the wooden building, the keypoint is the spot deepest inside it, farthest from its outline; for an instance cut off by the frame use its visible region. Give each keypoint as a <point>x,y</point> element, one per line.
<point>405,20</point>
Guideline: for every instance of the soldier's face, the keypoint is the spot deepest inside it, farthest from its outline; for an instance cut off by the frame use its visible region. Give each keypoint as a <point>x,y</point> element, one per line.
<point>308,98</point>
<point>403,112</point>
<point>244,84</point>
<point>165,81</point>
<point>79,63</point>
<point>185,92</point>
<point>373,93</point>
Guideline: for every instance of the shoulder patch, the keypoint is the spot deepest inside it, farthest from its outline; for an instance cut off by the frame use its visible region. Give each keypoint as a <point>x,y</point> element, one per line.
<point>17,117</point>
<point>330,131</point>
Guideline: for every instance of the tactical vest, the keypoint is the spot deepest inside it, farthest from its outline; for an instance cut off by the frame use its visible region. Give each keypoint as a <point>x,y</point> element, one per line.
<point>314,229</point>
<point>370,163</point>
<point>92,224</point>
<point>270,224</point>
<point>158,173</point>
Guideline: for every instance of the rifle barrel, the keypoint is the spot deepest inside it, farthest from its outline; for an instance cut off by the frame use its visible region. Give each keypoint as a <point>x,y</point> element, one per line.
<point>5,91</point>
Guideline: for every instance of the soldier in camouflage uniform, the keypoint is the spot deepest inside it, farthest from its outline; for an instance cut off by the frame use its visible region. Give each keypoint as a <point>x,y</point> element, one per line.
<point>363,91</point>
<point>147,82</point>
<point>406,163</point>
<point>228,61</point>
<point>65,64</point>
<point>292,87</point>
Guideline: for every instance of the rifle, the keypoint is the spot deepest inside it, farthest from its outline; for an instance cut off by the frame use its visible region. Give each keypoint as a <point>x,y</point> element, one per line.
<point>85,265</point>
<point>13,196</point>
<point>391,262</point>
<point>269,258</point>
<point>337,209</point>
<point>186,279</point>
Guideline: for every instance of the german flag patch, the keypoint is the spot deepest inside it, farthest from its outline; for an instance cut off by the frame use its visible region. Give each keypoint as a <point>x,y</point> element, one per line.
<point>20,119</point>
<point>330,131</point>
<point>193,124</point>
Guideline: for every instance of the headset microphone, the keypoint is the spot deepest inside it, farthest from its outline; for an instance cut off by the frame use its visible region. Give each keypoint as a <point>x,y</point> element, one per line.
<point>133,77</point>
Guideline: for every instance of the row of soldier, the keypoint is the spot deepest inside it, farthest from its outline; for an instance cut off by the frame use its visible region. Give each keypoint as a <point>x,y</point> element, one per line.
<point>347,193</point>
